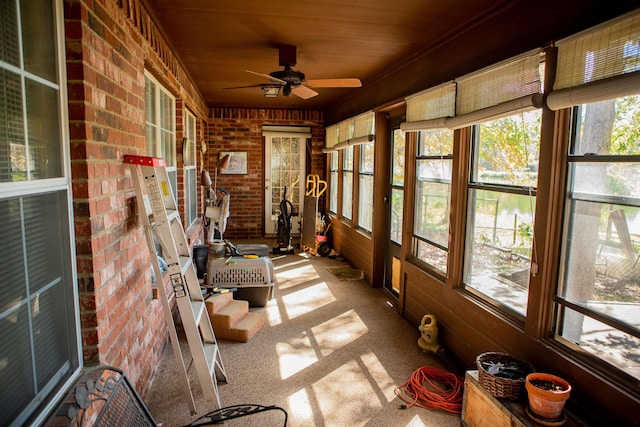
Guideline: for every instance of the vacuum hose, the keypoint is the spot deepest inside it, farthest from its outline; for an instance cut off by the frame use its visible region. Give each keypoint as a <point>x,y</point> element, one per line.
<point>284,221</point>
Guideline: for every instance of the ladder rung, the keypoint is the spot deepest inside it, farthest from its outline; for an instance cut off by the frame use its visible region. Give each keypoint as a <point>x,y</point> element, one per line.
<point>185,263</point>
<point>211,351</point>
<point>172,214</point>
<point>198,308</point>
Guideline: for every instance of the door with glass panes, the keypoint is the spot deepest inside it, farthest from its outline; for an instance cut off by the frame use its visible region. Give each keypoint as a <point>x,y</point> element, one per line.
<point>284,178</point>
<point>395,202</point>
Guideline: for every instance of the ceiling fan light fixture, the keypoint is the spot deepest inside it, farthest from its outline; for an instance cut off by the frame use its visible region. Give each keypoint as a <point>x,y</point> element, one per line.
<point>271,91</point>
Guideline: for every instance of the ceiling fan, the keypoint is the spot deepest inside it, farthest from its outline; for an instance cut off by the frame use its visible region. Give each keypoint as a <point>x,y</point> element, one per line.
<point>293,81</point>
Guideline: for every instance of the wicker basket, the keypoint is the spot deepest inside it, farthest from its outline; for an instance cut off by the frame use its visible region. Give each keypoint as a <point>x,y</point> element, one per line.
<point>503,375</point>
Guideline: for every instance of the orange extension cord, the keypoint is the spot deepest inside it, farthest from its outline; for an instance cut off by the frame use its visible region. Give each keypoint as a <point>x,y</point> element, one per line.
<point>427,388</point>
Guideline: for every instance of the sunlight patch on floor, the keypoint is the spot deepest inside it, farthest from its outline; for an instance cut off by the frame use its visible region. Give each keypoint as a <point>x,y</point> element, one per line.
<point>339,331</point>
<point>289,264</point>
<point>295,355</point>
<point>274,315</point>
<point>295,276</point>
<point>306,300</point>
<point>379,375</point>
<point>300,410</point>
<point>346,396</point>
<point>415,422</point>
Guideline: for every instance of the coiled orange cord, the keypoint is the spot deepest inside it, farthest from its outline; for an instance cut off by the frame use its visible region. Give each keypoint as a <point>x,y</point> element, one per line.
<point>432,388</point>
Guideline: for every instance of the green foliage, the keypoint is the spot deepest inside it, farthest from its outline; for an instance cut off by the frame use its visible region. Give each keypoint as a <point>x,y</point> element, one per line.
<point>625,138</point>
<point>510,146</point>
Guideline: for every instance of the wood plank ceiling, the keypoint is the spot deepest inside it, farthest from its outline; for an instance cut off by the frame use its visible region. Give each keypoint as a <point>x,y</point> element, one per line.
<point>373,40</point>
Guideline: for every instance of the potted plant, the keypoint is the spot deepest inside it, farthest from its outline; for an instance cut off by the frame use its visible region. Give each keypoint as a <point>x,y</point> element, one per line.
<point>547,395</point>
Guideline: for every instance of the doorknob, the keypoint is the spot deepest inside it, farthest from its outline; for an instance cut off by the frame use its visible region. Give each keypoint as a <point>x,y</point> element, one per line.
<point>386,199</point>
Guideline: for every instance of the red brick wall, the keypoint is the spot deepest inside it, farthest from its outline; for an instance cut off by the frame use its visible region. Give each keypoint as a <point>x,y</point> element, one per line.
<point>121,324</point>
<point>240,129</point>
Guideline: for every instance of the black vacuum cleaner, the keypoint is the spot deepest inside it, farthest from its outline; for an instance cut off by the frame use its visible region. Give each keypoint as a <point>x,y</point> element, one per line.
<point>284,226</point>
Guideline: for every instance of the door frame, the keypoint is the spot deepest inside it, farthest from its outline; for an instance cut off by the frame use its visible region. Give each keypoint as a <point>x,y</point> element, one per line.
<point>381,191</point>
<point>268,132</point>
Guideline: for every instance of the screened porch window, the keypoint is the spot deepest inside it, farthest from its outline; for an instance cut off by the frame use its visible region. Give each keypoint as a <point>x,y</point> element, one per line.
<point>333,182</point>
<point>347,183</point>
<point>501,203</point>
<point>599,303</point>
<point>433,196</point>
<point>365,187</point>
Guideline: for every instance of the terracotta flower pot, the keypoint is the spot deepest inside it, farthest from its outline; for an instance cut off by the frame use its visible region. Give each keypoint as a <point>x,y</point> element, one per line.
<point>545,402</point>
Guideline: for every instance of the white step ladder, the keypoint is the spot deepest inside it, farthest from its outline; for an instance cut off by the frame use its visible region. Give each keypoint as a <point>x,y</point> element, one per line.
<point>162,225</point>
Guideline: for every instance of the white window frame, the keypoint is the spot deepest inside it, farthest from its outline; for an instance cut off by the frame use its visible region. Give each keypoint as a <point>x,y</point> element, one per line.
<point>347,183</point>
<point>190,168</point>
<point>155,129</point>
<point>365,198</point>
<point>333,182</point>
<point>56,387</point>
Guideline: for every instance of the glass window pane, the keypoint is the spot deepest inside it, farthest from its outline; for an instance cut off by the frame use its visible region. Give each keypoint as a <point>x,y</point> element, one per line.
<point>602,260</point>
<point>13,284</point>
<point>347,160</point>
<point>13,154</point>
<point>347,195</point>
<point>38,38</point>
<point>172,174</point>
<point>616,347</point>
<point>433,170</point>
<point>606,179</point>
<point>53,344</point>
<point>151,140</point>
<point>432,255</point>
<point>168,147</point>
<point>365,202</point>
<point>191,195</point>
<point>333,160</point>
<point>507,150</point>
<point>432,212</point>
<point>397,165</point>
<point>45,247</point>
<point>435,142</point>
<point>9,42</point>
<point>397,204</point>
<point>366,157</point>
<point>499,243</point>
<point>17,369</point>
<point>333,192</point>
<point>608,127</point>
<point>43,118</point>
<point>150,100</point>
<point>37,316</point>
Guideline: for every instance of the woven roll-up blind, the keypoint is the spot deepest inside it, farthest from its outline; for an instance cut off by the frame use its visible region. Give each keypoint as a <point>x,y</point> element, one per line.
<point>511,79</point>
<point>607,50</point>
<point>363,125</point>
<point>433,103</point>
<point>345,130</point>
<point>330,138</point>
<point>597,64</point>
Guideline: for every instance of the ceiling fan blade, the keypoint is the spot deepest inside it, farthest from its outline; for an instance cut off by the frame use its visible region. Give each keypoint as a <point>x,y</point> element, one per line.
<point>243,87</point>
<point>267,76</point>
<point>349,82</point>
<point>303,92</point>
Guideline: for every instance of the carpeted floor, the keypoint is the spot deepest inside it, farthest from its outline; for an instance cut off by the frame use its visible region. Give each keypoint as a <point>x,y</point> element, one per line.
<point>331,354</point>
